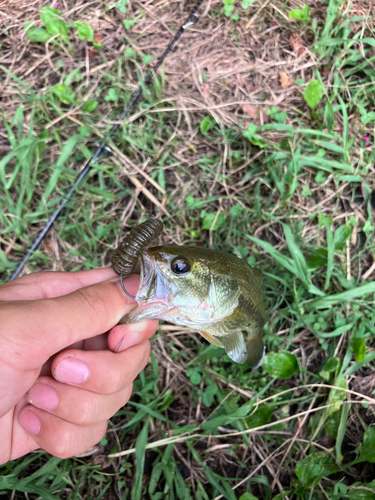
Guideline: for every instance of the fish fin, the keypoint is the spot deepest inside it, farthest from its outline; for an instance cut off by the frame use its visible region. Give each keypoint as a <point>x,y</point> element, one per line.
<point>255,351</point>
<point>235,346</point>
<point>211,339</point>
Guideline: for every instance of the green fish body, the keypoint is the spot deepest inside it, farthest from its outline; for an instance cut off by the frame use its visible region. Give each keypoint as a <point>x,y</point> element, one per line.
<point>215,293</point>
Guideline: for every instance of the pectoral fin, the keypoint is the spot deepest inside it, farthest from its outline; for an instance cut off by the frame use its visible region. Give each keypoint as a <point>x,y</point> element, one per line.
<point>211,339</point>
<point>235,346</point>
<point>255,351</point>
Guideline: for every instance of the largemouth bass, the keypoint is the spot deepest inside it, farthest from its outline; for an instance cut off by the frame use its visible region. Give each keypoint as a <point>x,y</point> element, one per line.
<point>215,293</point>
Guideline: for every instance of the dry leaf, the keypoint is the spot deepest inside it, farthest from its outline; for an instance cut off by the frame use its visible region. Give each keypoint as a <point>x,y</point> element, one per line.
<point>48,246</point>
<point>249,110</point>
<point>263,117</point>
<point>98,38</point>
<point>285,80</point>
<point>297,44</point>
<point>257,114</point>
<point>239,80</point>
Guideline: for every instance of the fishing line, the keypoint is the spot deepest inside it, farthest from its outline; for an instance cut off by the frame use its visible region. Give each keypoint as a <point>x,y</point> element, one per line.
<point>103,148</point>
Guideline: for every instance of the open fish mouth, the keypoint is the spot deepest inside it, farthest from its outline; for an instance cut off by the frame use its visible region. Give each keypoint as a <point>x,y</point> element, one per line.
<point>148,277</point>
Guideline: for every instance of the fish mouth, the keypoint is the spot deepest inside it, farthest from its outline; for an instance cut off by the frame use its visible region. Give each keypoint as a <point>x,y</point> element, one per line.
<point>148,277</point>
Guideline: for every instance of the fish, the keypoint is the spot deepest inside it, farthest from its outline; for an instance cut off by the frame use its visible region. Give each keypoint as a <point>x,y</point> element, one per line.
<point>212,292</point>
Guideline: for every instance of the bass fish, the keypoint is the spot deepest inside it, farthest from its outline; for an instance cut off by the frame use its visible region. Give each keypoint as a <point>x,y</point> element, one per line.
<point>215,293</point>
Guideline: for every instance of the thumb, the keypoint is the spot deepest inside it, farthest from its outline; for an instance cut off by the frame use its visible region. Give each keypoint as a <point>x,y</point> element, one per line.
<point>33,331</point>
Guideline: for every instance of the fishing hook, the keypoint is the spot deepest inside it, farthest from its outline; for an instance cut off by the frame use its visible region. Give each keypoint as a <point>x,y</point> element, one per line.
<point>123,287</point>
<point>128,293</point>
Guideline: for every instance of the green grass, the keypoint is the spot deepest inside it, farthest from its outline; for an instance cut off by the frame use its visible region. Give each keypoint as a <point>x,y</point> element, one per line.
<point>293,196</point>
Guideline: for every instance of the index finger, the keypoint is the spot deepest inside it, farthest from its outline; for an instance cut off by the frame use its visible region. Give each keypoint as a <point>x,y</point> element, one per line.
<point>49,284</point>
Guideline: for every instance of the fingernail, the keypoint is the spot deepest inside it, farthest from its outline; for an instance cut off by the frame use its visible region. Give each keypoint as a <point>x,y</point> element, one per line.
<point>128,340</point>
<point>43,396</point>
<point>30,422</point>
<point>71,371</point>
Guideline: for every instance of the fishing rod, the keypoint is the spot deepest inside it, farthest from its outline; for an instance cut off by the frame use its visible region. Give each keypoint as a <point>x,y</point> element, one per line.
<point>103,148</point>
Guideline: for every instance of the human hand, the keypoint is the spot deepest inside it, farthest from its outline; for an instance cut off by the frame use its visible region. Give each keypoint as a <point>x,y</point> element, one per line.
<point>59,379</point>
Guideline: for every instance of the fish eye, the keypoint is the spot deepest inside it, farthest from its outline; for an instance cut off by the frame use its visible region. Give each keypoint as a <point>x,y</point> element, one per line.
<point>180,265</point>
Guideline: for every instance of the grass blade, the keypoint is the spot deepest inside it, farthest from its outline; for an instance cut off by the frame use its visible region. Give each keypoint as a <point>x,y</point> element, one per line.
<point>340,298</point>
<point>341,431</point>
<point>299,260</point>
<point>330,253</point>
<point>140,452</point>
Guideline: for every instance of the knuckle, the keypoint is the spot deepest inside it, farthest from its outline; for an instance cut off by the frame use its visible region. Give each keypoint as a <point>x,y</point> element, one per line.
<point>115,382</point>
<point>90,301</point>
<point>73,441</point>
<point>84,414</point>
<point>62,445</point>
<point>43,283</point>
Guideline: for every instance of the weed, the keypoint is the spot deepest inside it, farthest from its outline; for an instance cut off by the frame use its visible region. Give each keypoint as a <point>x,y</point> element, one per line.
<point>302,15</point>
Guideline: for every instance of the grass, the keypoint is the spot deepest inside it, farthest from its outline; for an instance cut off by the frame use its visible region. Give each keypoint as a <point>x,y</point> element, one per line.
<point>231,160</point>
